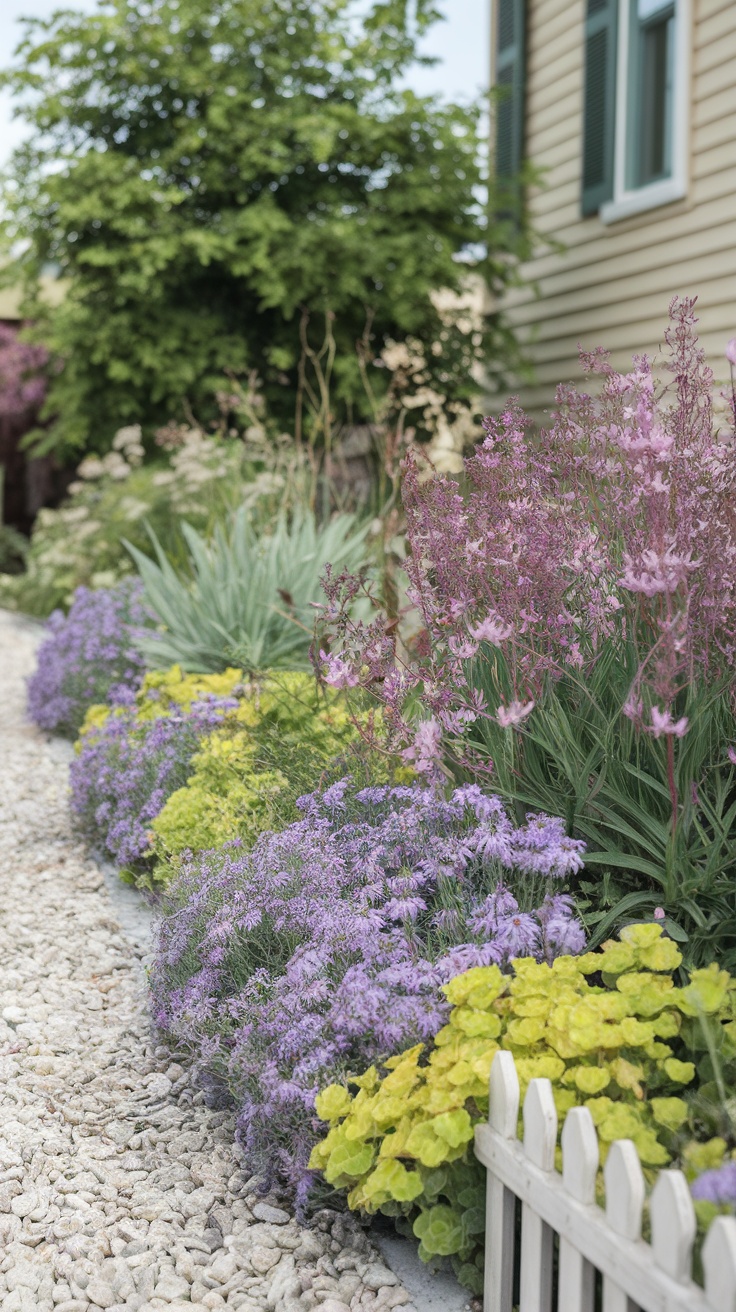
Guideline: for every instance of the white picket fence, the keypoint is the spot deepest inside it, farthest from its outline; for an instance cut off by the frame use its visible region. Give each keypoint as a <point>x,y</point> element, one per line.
<point>635,1275</point>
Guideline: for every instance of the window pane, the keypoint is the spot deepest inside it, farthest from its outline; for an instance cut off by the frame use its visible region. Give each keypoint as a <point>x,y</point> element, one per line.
<point>652,56</point>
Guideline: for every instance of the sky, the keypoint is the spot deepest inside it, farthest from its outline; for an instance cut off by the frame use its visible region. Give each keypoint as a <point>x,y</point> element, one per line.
<point>462,43</point>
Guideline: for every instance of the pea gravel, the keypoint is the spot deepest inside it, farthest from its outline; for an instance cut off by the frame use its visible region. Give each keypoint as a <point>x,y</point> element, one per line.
<point>118,1187</point>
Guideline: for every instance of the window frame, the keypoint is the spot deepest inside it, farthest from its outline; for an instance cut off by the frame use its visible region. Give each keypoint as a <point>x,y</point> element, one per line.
<point>628,200</point>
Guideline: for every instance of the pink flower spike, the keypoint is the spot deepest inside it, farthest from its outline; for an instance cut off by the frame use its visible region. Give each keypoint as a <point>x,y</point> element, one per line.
<point>659,913</point>
<point>633,708</point>
<point>491,629</point>
<point>338,673</point>
<point>662,723</point>
<point>510,716</point>
<point>732,756</point>
<point>425,752</point>
<point>731,351</point>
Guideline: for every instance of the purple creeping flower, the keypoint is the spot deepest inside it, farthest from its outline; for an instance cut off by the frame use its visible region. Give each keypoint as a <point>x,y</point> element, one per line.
<point>88,656</point>
<point>126,770</point>
<point>716,1186</point>
<point>324,948</point>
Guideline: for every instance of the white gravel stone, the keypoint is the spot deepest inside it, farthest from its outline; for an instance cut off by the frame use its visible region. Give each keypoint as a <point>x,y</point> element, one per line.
<point>377,1275</point>
<point>274,1215</point>
<point>118,1188</point>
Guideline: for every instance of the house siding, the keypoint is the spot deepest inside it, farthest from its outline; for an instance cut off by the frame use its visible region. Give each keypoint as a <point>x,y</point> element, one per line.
<point>611,285</point>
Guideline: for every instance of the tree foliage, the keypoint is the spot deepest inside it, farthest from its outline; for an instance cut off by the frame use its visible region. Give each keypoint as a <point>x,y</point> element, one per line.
<point>213,176</point>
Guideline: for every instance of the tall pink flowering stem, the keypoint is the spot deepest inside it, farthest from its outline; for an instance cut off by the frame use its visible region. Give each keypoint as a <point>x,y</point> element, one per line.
<point>671,779</point>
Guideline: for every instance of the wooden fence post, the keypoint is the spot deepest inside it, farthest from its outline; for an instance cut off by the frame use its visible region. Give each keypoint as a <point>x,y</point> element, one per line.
<point>719,1264</point>
<point>673,1224</point>
<point>579,1169</point>
<point>624,1207</point>
<point>503,1117</point>
<point>540,1138</point>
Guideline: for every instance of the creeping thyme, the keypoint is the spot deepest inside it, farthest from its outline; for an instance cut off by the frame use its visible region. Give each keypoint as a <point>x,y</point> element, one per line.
<point>327,944</point>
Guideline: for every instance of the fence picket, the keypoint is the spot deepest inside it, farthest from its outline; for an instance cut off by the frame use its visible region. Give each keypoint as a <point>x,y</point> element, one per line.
<point>673,1224</point>
<point>624,1206</point>
<point>540,1138</point>
<point>579,1169</point>
<point>719,1264</point>
<point>637,1276</point>
<point>503,1116</point>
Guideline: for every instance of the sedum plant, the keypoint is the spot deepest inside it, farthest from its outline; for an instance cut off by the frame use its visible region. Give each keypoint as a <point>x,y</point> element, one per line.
<point>247,774</point>
<point>192,761</point>
<point>612,1030</point>
<point>132,755</point>
<point>247,597</point>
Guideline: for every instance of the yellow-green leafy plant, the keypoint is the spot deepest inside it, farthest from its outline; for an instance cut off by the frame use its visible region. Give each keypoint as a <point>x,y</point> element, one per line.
<point>131,756</point>
<point>612,1030</point>
<point>243,751</point>
<point>165,691</point>
<point>247,774</point>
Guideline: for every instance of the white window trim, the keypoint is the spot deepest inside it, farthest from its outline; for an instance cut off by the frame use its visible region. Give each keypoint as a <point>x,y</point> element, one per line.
<point>635,200</point>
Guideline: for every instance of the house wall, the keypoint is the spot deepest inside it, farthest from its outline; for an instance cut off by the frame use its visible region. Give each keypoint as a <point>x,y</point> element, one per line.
<point>611,285</point>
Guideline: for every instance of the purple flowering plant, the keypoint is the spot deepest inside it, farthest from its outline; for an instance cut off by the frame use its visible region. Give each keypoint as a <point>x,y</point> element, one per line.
<point>717,1186</point>
<point>577,595</point>
<point>325,946</point>
<point>87,656</point>
<point>126,768</point>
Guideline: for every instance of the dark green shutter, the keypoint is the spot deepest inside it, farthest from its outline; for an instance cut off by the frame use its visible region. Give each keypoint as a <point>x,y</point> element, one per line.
<point>509,80</point>
<point>599,103</point>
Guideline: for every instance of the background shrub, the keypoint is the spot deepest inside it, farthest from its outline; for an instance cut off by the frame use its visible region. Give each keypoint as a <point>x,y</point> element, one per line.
<point>324,947</point>
<point>116,497</point>
<point>400,1139</point>
<point>87,656</point>
<point>192,253</point>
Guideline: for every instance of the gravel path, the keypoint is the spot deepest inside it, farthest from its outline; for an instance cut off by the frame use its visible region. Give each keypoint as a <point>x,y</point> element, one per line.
<point>118,1188</point>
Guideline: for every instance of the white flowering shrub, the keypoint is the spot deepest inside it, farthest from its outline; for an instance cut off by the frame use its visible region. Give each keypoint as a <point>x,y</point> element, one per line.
<point>197,477</point>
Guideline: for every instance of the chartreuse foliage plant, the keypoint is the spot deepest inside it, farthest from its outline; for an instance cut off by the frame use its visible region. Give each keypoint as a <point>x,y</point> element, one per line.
<point>133,754</point>
<point>246,775</point>
<point>193,761</point>
<point>612,1030</point>
<point>163,692</point>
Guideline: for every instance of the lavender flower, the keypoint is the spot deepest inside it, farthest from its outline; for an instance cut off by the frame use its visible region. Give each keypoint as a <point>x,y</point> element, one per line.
<point>126,770</point>
<point>325,947</point>
<point>88,656</point>
<point>716,1186</point>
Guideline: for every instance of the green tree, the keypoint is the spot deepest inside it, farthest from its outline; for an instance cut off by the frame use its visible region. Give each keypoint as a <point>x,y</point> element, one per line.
<point>217,179</point>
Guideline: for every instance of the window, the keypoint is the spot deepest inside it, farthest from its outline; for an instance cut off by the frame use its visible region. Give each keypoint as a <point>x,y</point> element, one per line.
<point>635,105</point>
<point>509,81</point>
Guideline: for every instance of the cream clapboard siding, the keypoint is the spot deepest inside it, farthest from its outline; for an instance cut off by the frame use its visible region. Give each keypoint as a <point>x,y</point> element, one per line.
<point>611,285</point>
